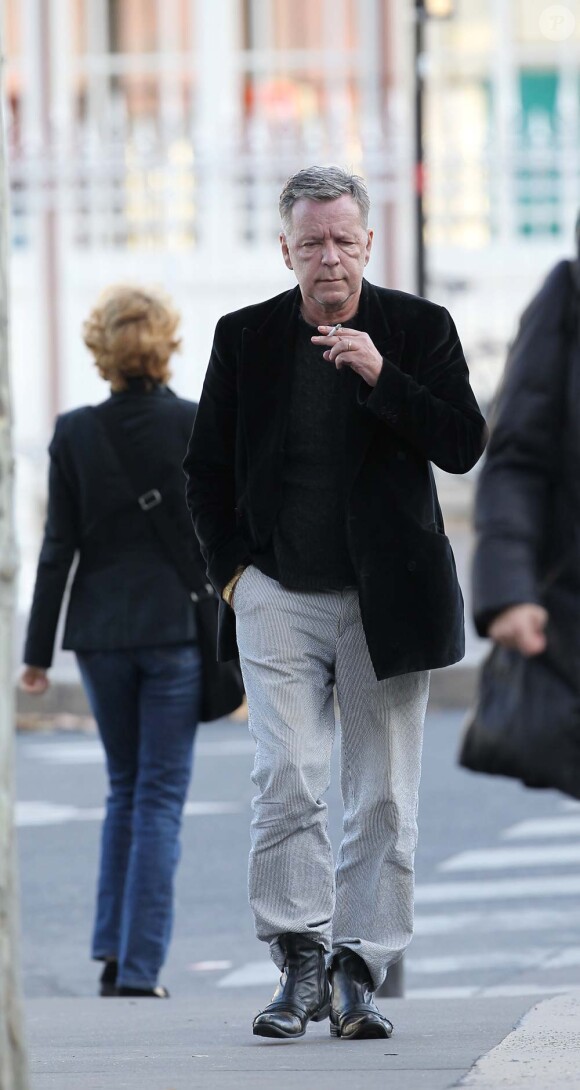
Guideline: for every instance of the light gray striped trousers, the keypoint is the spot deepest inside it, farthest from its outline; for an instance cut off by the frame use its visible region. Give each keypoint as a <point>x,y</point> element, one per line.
<point>294,648</point>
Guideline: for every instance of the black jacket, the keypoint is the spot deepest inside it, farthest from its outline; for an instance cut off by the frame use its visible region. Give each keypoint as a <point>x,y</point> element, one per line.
<point>125,592</point>
<point>528,500</point>
<point>421,409</point>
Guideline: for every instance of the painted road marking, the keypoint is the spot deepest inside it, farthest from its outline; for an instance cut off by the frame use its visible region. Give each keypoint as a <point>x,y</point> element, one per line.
<point>27,814</point>
<point>66,753</point>
<point>253,972</point>
<point>209,966</point>
<point>504,889</point>
<point>543,828</point>
<point>230,747</point>
<point>568,958</point>
<point>500,858</point>
<point>499,991</point>
<point>92,753</point>
<point>524,919</point>
<point>542,958</point>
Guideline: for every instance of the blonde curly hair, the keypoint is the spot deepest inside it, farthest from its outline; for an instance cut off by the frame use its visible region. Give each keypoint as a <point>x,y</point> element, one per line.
<point>131,333</point>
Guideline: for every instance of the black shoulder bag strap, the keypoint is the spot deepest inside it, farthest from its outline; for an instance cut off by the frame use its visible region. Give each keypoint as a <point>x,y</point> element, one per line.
<point>142,477</point>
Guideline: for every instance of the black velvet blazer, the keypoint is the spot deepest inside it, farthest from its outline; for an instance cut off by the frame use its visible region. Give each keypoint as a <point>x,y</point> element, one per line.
<point>125,591</point>
<point>422,409</point>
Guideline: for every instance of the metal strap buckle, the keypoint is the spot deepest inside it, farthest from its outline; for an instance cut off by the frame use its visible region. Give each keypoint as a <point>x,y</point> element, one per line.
<point>150,499</point>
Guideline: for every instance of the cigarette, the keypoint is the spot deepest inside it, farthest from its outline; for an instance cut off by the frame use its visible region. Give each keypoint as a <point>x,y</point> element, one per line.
<point>334,329</point>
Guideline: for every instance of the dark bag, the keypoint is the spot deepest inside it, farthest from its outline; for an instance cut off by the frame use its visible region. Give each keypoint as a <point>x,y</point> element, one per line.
<point>222,685</point>
<point>526,722</point>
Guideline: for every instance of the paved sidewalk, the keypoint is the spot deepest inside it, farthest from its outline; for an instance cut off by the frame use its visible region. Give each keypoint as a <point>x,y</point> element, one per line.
<point>125,1044</point>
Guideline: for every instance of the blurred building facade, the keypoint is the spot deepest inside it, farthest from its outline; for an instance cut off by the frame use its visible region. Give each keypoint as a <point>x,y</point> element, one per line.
<point>503,145</point>
<point>149,140</point>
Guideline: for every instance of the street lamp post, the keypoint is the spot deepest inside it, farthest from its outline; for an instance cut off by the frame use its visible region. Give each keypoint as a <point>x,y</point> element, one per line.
<point>393,985</point>
<point>419,165</point>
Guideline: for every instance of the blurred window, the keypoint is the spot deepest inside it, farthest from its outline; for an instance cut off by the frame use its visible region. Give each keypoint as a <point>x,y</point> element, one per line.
<point>538,175</point>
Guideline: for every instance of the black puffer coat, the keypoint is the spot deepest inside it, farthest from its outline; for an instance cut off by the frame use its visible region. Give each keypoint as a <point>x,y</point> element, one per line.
<point>527,512</point>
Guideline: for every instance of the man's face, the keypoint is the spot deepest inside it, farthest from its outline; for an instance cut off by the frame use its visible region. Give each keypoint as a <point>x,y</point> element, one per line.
<point>328,248</point>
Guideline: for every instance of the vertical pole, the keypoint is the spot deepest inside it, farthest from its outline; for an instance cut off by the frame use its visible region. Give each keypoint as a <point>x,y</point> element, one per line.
<point>393,986</point>
<point>505,109</point>
<point>419,178</point>
<point>372,64</point>
<point>98,32</point>
<point>13,1063</point>
<point>398,79</point>
<point>218,107</point>
<point>50,271</point>
<point>170,116</point>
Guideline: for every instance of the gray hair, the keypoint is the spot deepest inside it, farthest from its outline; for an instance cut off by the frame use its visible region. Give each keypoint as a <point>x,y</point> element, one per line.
<point>323,184</point>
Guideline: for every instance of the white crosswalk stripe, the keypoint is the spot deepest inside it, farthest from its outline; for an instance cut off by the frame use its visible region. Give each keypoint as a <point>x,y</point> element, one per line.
<point>543,828</point>
<point>495,922</point>
<point>90,751</point>
<point>81,752</point>
<point>27,814</point>
<point>540,958</point>
<point>251,974</point>
<point>495,991</point>
<point>510,858</point>
<point>505,889</point>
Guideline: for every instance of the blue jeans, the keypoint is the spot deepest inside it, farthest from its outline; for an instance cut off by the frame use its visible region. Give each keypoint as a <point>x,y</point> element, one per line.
<point>146,704</point>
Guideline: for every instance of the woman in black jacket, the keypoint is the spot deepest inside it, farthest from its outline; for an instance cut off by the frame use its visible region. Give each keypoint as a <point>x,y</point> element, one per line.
<point>130,621</point>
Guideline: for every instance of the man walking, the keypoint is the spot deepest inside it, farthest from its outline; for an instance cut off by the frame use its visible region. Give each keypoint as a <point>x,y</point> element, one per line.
<point>312,496</point>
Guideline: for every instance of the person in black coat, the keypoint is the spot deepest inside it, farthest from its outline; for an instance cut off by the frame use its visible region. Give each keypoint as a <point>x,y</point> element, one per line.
<point>130,621</point>
<point>527,509</point>
<point>314,502</point>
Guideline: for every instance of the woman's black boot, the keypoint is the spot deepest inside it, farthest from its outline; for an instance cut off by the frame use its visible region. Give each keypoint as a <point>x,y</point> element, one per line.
<point>302,994</point>
<point>108,979</point>
<point>353,1012</point>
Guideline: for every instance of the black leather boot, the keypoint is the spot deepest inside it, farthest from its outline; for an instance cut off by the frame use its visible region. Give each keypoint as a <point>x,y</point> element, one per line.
<point>353,1012</point>
<point>302,994</point>
<point>108,980</point>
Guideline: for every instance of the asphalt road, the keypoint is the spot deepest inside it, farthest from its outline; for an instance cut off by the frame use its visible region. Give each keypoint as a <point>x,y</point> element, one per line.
<point>498,883</point>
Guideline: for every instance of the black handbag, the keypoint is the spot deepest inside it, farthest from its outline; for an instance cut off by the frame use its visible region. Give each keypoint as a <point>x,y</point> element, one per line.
<point>526,722</point>
<point>222,685</point>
